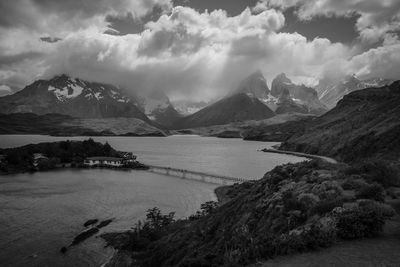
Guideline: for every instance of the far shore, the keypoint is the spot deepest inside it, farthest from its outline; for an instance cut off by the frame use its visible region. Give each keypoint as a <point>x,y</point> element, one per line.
<point>298,154</point>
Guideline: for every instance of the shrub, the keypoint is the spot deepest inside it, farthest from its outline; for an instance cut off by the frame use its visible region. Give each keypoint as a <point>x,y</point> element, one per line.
<point>359,222</point>
<point>374,192</point>
<point>386,210</point>
<point>306,239</point>
<point>353,182</point>
<point>376,171</point>
<point>326,206</point>
<point>206,208</point>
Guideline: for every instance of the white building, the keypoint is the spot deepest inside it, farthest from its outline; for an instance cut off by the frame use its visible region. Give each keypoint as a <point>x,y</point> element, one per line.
<point>103,161</point>
<point>37,158</point>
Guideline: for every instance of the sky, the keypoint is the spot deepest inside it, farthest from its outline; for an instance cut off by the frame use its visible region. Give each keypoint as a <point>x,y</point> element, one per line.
<point>196,49</point>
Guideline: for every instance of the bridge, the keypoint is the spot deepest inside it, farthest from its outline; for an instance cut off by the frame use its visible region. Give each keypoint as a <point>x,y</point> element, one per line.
<point>195,175</point>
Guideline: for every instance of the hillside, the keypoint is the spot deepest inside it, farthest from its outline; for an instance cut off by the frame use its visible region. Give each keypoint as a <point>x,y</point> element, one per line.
<point>235,108</point>
<point>294,208</point>
<point>364,124</point>
<point>63,125</point>
<point>241,129</point>
<point>331,92</point>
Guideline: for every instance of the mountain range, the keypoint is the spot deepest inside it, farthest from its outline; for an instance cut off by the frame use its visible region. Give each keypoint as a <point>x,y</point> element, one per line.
<point>252,100</point>
<point>235,108</point>
<point>73,97</point>
<point>330,92</point>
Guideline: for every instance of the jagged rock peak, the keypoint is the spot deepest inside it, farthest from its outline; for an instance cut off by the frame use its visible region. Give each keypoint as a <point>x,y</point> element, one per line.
<point>255,85</point>
<point>282,78</point>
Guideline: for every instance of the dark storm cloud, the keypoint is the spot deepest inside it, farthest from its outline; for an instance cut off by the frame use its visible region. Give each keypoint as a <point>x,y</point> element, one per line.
<point>336,29</point>
<point>128,24</point>
<point>50,39</point>
<point>7,60</point>
<point>42,14</point>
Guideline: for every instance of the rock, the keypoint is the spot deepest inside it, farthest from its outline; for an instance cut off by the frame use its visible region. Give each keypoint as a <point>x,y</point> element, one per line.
<point>104,223</point>
<point>90,222</point>
<point>85,235</point>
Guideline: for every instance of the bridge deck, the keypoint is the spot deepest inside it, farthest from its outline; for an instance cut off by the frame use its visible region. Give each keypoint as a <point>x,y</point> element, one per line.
<point>183,173</point>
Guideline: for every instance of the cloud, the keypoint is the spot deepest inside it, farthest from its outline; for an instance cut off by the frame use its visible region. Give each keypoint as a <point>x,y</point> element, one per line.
<point>187,53</point>
<point>194,55</point>
<point>375,18</point>
<point>60,16</point>
<point>5,90</point>
<point>382,61</point>
<point>50,39</point>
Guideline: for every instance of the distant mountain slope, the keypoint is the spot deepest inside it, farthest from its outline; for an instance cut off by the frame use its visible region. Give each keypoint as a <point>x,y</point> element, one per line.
<point>238,107</point>
<point>331,92</point>
<point>186,107</point>
<point>301,94</point>
<point>287,105</point>
<point>364,124</point>
<point>63,125</point>
<point>157,106</point>
<point>255,84</point>
<point>74,97</point>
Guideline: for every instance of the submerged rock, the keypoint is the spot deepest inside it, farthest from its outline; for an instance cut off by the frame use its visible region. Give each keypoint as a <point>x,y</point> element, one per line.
<point>104,223</point>
<point>84,235</point>
<point>90,222</point>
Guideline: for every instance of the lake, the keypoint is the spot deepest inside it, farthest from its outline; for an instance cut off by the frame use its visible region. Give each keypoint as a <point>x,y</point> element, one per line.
<point>42,212</point>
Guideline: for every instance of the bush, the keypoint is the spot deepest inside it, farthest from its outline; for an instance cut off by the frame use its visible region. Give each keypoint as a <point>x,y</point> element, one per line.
<point>326,206</point>
<point>374,192</point>
<point>353,182</point>
<point>307,239</point>
<point>376,171</point>
<point>359,222</point>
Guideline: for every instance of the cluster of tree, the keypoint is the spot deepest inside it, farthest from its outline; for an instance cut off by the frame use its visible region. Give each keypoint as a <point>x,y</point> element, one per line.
<point>57,153</point>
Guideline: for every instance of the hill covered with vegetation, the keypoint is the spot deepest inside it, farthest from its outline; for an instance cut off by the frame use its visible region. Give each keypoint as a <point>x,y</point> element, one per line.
<point>294,208</point>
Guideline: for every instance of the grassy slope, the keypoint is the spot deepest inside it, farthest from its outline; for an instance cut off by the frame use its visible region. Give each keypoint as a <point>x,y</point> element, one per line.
<point>290,210</point>
<point>56,124</point>
<point>364,124</point>
<point>241,129</point>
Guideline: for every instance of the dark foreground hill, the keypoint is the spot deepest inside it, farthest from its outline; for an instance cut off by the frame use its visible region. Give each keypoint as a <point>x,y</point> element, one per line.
<point>364,124</point>
<point>236,108</point>
<point>294,208</point>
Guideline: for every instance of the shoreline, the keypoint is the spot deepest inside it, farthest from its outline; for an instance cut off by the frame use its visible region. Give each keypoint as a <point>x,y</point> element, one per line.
<point>145,167</point>
<point>299,154</point>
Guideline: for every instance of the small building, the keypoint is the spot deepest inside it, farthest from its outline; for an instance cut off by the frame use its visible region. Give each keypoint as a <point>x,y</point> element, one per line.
<point>103,161</point>
<point>39,157</point>
<point>128,157</point>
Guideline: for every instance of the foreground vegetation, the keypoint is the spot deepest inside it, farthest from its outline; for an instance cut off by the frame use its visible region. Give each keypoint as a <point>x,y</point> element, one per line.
<point>294,208</point>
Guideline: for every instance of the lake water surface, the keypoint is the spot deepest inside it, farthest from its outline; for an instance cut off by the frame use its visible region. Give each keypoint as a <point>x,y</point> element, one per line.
<point>42,212</point>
